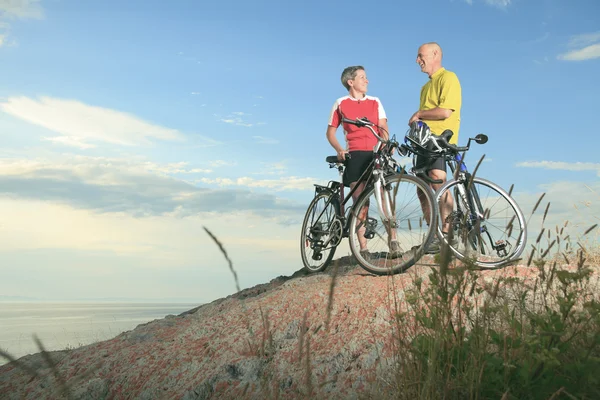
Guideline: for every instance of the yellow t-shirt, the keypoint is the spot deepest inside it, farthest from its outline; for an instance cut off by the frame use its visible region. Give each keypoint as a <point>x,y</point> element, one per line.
<point>443,91</point>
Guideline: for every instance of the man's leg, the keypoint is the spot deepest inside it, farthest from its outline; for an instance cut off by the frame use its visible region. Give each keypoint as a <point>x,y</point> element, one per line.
<point>447,202</point>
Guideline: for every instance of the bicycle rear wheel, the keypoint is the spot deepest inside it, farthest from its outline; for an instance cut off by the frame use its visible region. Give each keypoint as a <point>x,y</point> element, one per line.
<point>409,226</point>
<point>488,225</point>
<point>321,232</point>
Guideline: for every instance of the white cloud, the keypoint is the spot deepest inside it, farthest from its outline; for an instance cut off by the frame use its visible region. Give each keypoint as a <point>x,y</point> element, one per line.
<point>70,141</point>
<point>495,3</point>
<point>281,184</point>
<point>275,168</point>
<point>67,248</point>
<point>82,125</point>
<point>587,53</point>
<point>238,118</point>
<point>222,163</point>
<point>498,3</point>
<point>21,9</point>
<point>265,140</point>
<point>577,203</point>
<point>585,46</point>
<point>564,166</point>
<point>236,121</point>
<point>92,170</point>
<point>133,186</point>
<point>121,233</point>
<point>584,39</point>
<point>17,9</point>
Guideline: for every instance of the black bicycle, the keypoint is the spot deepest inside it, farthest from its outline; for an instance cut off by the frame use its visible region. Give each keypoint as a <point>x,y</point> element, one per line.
<point>482,221</point>
<point>387,216</point>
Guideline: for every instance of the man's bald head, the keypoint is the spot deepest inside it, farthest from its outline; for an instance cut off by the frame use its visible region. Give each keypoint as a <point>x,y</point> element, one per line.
<point>433,47</point>
<point>429,58</point>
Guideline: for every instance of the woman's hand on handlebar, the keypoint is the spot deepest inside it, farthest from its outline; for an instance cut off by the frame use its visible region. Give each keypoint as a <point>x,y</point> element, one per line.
<point>341,155</point>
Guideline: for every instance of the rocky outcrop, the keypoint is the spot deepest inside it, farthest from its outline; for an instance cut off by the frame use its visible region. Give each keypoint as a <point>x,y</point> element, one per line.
<point>283,339</point>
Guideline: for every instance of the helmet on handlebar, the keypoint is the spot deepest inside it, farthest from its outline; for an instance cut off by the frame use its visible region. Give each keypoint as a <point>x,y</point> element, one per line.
<point>419,132</point>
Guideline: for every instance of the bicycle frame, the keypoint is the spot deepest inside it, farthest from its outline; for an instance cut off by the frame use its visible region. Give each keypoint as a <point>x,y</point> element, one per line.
<point>373,175</point>
<point>471,200</point>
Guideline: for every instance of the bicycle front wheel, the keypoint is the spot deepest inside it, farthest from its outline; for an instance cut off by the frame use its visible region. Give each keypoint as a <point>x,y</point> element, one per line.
<point>487,225</point>
<point>397,239</point>
<point>321,232</point>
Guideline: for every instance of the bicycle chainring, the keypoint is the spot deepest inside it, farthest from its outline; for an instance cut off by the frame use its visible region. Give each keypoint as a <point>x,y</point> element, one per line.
<point>336,232</point>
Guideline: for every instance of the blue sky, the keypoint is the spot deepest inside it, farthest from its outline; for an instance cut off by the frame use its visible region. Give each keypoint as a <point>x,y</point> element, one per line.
<point>128,126</point>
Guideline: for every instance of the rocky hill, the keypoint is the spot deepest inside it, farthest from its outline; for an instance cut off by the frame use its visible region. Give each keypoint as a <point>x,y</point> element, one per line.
<point>283,339</point>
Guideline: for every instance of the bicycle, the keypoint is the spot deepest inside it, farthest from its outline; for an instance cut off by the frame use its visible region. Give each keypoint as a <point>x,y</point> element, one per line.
<point>486,224</point>
<point>387,211</point>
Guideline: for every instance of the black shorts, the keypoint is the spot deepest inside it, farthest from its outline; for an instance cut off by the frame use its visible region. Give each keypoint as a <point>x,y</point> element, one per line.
<point>436,163</point>
<point>357,164</point>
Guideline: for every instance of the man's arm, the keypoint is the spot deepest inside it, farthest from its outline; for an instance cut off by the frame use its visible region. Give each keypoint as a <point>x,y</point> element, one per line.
<point>433,114</point>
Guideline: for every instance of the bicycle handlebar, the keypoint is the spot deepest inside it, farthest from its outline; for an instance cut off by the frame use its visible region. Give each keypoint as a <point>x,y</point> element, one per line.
<point>362,122</point>
<point>443,140</point>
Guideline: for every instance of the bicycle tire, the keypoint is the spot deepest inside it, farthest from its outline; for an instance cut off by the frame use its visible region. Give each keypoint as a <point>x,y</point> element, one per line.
<point>482,235</point>
<point>379,260</point>
<point>309,238</point>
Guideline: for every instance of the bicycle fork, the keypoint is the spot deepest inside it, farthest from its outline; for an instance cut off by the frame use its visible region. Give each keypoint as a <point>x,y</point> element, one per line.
<point>473,208</point>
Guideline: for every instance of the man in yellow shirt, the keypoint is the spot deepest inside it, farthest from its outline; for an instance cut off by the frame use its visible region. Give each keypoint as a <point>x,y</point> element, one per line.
<point>439,108</point>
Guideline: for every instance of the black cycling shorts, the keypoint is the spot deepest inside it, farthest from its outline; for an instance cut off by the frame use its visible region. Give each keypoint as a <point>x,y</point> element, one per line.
<point>357,164</point>
<point>436,163</point>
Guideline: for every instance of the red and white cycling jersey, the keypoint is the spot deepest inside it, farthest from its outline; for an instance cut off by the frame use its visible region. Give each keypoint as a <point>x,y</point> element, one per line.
<point>351,108</point>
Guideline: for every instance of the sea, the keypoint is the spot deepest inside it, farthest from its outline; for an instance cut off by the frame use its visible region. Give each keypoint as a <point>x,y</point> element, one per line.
<point>61,326</point>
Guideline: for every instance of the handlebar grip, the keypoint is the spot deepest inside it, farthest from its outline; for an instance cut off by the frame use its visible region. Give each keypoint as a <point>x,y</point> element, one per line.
<point>360,122</point>
<point>443,139</point>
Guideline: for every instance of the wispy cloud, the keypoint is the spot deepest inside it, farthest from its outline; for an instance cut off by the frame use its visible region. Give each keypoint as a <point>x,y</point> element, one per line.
<point>21,9</point>
<point>274,168</point>
<point>221,163</point>
<point>502,4</point>
<point>235,118</point>
<point>565,166</point>
<point>265,140</point>
<point>539,40</point>
<point>17,9</point>
<point>587,53</point>
<point>585,46</point>
<point>498,3</point>
<point>281,184</point>
<point>83,126</point>
<point>134,187</point>
<point>584,39</point>
<point>236,121</point>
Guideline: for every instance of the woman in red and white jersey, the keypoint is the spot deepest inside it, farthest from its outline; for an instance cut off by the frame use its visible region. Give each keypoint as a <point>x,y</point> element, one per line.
<point>359,140</point>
